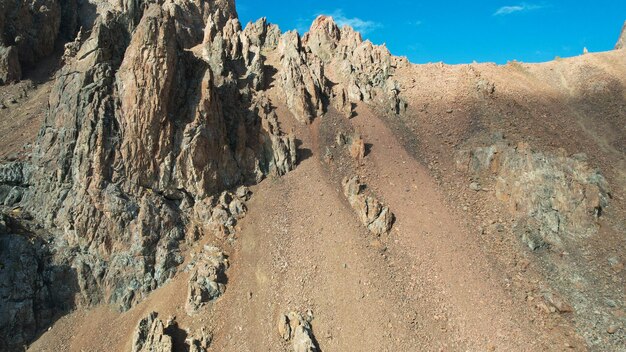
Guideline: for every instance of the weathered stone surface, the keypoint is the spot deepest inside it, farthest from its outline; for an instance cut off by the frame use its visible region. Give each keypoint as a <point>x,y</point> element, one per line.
<point>14,178</point>
<point>218,215</point>
<point>362,71</point>
<point>302,78</point>
<point>621,42</point>
<point>294,328</point>
<point>29,30</point>
<point>556,198</point>
<point>23,294</point>
<point>32,26</point>
<point>154,335</point>
<point>376,217</point>
<point>150,336</point>
<point>141,134</point>
<point>357,148</point>
<point>32,289</point>
<point>10,69</point>
<point>206,279</point>
<point>200,342</point>
<point>14,173</point>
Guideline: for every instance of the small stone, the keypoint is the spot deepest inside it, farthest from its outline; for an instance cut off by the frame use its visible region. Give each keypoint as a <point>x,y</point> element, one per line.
<point>283,327</point>
<point>612,329</point>
<point>475,186</point>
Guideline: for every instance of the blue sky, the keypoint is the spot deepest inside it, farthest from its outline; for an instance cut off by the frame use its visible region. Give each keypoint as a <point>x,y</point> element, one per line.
<point>461,31</point>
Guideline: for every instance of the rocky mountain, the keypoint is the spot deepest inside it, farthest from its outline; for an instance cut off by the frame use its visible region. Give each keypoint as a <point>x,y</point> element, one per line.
<point>222,175</point>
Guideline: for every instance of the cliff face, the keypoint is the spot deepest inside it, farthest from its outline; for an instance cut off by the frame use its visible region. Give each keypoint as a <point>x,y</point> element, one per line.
<point>138,131</point>
<point>160,106</point>
<point>162,112</point>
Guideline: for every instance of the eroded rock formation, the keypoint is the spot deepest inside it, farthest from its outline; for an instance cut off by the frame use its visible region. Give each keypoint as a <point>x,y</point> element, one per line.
<point>332,66</point>
<point>206,278</point>
<point>10,69</point>
<point>153,335</point>
<point>32,291</point>
<point>156,118</point>
<point>140,134</point>
<point>294,328</point>
<point>29,31</point>
<point>375,216</point>
<point>13,182</point>
<point>150,335</point>
<point>556,198</point>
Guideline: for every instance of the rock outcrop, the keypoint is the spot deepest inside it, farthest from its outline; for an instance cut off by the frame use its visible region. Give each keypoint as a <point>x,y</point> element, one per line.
<point>362,71</point>
<point>141,133</point>
<point>32,290</point>
<point>556,198</point>
<point>155,120</point>
<point>29,31</point>
<point>13,182</point>
<point>153,335</point>
<point>218,215</point>
<point>621,42</point>
<point>206,279</point>
<point>150,335</point>
<point>302,78</point>
<point>294,328</point>
<point>10,69</point>
<point>332,66</point>
<point>376,217</point>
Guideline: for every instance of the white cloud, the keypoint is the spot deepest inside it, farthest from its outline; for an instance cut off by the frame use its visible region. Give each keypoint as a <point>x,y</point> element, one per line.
<point>523,7</point>
<point>358,24</point>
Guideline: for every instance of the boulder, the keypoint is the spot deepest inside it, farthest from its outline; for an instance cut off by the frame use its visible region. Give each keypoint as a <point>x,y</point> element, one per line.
<point>357,148</point>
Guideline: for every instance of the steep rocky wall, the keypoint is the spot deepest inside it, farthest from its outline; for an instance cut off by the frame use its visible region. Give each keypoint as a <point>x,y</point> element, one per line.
<point>139,131</point>
<point>29,31</point>
<point>158,109</point>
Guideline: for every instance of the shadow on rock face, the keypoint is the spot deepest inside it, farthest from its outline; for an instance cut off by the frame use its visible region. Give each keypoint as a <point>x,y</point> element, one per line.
<point>302,153</point>
<point>34,292</point>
